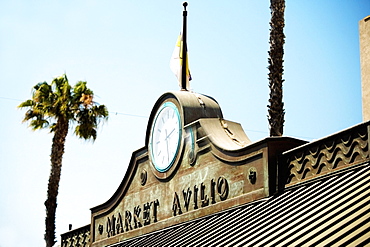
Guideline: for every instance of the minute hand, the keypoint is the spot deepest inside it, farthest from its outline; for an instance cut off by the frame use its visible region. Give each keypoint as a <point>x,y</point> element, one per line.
<point>168,136</point>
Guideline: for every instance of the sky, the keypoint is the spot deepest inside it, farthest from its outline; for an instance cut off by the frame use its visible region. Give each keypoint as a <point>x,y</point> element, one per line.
<point>122,49</point>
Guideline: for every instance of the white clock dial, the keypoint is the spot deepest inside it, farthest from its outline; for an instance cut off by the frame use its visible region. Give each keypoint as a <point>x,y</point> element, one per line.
<point>165,136</point>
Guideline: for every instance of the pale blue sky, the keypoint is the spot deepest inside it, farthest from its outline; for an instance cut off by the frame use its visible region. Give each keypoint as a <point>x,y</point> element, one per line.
<point>122,49</point>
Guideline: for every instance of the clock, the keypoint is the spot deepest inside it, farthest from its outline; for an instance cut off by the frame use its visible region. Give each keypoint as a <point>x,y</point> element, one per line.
<point>165,137</point>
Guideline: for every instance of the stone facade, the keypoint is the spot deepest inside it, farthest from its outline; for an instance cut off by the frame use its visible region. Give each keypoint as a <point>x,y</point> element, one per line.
<point>217,168</point>
<point>364,29</point>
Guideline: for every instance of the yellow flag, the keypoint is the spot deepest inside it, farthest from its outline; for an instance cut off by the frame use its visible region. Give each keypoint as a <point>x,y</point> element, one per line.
<point>176,62</point>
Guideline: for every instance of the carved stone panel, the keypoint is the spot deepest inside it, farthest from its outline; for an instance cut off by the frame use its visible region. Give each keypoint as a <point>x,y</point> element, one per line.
<point>333,152</point>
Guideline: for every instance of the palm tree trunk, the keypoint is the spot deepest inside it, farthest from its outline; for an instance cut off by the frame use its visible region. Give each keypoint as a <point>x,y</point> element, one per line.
<point>57,151</point>
<point>276,107</point>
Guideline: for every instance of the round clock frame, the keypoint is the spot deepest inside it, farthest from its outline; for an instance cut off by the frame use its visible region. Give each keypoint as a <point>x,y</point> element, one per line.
<point>165,140</point>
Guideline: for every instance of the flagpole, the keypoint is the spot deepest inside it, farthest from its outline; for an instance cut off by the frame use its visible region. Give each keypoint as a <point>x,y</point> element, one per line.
<point>184,50</point>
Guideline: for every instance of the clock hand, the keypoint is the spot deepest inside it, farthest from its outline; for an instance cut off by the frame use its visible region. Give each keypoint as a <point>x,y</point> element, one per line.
<point>168,152</point>
<point>167,136</point>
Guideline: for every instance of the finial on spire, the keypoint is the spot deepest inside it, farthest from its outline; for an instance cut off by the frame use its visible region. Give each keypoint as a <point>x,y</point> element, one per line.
<point>185,4</point>
<point>179,63</point>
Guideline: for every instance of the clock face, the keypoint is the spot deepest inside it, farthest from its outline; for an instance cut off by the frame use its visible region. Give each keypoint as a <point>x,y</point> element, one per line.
<point>165,137</point>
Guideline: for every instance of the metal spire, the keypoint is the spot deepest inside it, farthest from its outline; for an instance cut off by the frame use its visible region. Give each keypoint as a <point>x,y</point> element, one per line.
<point>184,50</point>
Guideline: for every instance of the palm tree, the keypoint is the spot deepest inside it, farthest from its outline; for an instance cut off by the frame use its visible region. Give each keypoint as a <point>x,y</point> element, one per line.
<point>56,106</point>
<point>276,110</point>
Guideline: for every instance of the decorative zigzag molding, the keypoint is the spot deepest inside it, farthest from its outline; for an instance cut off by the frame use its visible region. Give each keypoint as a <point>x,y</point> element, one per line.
<point>77,238</point>
<point>334,152</point>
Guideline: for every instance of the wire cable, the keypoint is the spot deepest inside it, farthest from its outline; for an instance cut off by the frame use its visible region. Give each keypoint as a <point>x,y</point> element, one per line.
<point>140,116</point>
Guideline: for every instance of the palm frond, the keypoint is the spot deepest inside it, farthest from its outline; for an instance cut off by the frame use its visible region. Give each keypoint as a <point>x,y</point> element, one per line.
<point>82,95</point>
<point>86,131</point>
<point>88,120</point>
<point>52,127</point>
<point>27,103</point>
<point>42,93</point>
<point>58,99</point>
<point>30,114</point>
<point>101,111</point>
<point>62,94</point>
<point>39,123</point>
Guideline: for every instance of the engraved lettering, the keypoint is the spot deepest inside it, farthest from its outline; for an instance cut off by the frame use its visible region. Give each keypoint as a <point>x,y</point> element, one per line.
<point>137,211</point>
<point>155,210</point>
<point>187,196</point>
<point>196,197</point>
<point>222,188</point>
<point>203,197</point>
<point>128,217</point>
<point>146,213</point>
<point>218,191</point>
<point>119,225</point>
<point>111,226</point>
<point>213,185</point>
<point>176,208</point>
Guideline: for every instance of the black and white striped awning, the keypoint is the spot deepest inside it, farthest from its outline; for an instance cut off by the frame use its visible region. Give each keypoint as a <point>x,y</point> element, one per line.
<point>332,210</point>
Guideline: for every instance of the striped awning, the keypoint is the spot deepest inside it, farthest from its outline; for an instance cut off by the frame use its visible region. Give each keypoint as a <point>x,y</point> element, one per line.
<point>332,210</point>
